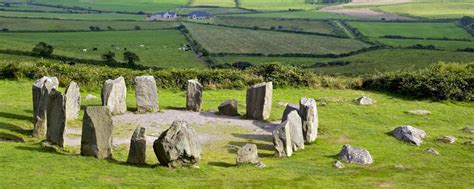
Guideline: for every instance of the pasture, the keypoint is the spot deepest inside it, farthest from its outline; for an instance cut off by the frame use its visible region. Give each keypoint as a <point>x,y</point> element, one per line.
<point>439,44</point>
<point>73,16</point>
<point>231,40</point>
<point>341,121</point>
<point>219,3</point>
<point>161,47</point>
<point>120,5</point>
<point>309,14</point>
<point>431,9</point>
<point>271,5</point>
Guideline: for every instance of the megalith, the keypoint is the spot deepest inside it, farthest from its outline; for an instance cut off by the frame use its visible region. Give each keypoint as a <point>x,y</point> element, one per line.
<point>73,101</point>
<point>248,154</point>
<point>146,94</point>
<point>289,108</point>
<point>309,117</point>
<point>194,96</point>
<point>41,89</point>
<point>229,108</point>
<point>296,131</point>
<point>56,116</point>
<point>97,132</point>
<point>259,101</point>
<point>114,95</point>
<point>282,140</point>
<point>355,155</point>
<point>137,153</point>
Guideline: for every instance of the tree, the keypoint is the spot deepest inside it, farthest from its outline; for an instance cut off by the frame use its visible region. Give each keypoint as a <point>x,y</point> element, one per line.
<point>131,58</point>
<point>138,28</point>
<point>109,57</point>
<point>43,49</point>
<point>6,5</point>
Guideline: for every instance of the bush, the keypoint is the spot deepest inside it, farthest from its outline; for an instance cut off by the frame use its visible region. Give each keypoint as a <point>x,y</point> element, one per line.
<point>131,58</point>
<point>43,49</point>
<point>137,28</point>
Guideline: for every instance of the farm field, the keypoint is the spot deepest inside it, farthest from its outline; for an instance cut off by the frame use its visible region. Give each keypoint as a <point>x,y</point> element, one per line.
<point>213,10</point>
<point>219,3</point>
<point>120,5</point>
<point>72,16</point>
<point>431,9</point>
<point>34,24</point>
<point>341,122</point>
<point>364,63</point>
<point>299,14</point>
<point>276,4</point>
<point>439,44</point>
<point>25,7</point>
<point>231,40</point>
<point>161,47</point>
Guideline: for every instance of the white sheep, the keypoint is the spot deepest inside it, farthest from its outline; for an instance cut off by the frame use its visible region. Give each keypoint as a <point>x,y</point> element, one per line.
<point>84,50</point>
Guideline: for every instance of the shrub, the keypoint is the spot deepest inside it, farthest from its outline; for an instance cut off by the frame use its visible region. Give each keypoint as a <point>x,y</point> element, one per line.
<point>109,57</point>
<point>131,58</point>
<point>43,49</point>
<point>137,28</point>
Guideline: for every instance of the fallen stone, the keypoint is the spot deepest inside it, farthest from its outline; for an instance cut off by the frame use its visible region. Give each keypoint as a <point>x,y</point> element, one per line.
<point>309,116</point>
<point>248,154</point>
<point>338,164</point>
<point>90,97</point>
<point>296,131</point>
<point>432,151</point>
<point>355,155</point>
<point>282,140</point>
<point>289,108</point>
<point>137,153</point>
<point>97,128</point>
<point>146,94</point>
<point>409,134</point>
<point>178,146</point>
<point>114,95</point>
<point>468,129</point>
<point>469,142</point>
<point>194,96</point>
<point>73,101</point>
<point>56,116</point>
<point>259,101</point>
<point>448,139</point>
<point>419,112</point>
<point>260,165</point>
<point>365,101</point>
<point>41,89</point>
<point>229,108</point>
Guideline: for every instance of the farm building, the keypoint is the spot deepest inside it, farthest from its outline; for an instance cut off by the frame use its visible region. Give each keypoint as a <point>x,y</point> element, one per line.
<point>200,15</point>
<point>166,16</point>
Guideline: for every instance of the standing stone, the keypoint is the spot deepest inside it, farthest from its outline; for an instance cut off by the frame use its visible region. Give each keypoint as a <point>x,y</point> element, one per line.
<point>289,108</point>
<point>259,101</point>
<point>137,153</point>
<point>194,96</point>
<point>296,131</point>
<point>409,134</point>
<point>178,146</point>
<point>309,116</point>
<point>247,154</point>
<point>97,132</point>
<point>229,108</point>
<point>282,140</point>
<point>146,94</point>
<point>114,95</point>
<point>355,155</point>
<point>73,101</point>
<point>56,116</point>
<point>41,89</point>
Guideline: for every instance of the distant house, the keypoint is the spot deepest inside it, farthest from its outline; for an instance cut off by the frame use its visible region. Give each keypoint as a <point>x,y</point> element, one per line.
<point>200,15</point>
<point>162,16</point>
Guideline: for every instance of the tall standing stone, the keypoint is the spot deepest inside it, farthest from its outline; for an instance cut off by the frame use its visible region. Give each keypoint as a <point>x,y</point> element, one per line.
<point>282,140</point>
<point>137,153</point>
<point>73,101</point>
<point>259,101</point>
<point>114,95</point>
<point>289,108</point>
<point>296,131</point>
<point>229,108</point>
<point>309,116</point>
<point>97,132</point>
<point>41,89</point>
<point>56,116</point>
<point>194,96</point>
<point>146,94</point>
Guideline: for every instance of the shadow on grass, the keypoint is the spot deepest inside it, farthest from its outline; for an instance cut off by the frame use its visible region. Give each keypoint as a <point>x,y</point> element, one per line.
<point>16,116</point>
<point>28,111</point>
<point>6,137</point>
<point>265,138</point>
<point>114,161</point>
<point>333,156</point>
<point>40,149</point>
<point>260,146</point>
<point>174,108</point>
<point>14,128</point>
<point>221,164</point>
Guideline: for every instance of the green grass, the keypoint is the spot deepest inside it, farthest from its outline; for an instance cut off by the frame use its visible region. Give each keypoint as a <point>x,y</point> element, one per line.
<point>161,46</point>
<point>369,62</point>
<point>341,121</point>
<point>215,11</point>
<point>220,3</point>
<point>276,4</point>
<point>299,14</point>
<point>230,40</point>
<point>27,24</point>
<point>432,9</point>
<point>15,7</point>
<point>423,30</point>
<point>444,45</point>
<point>72,16</point>
<point>120,5</point>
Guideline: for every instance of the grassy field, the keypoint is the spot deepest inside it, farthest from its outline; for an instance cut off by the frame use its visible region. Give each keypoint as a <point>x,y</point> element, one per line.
<point>75,16</point>
<point>213,10</point>
<point>160,47</point>
<point>341,122</point>
<point>25,7</point>
<point>432,9</point>
<point>423,30</point>
<point>120,5</point>
<point>285,24</point>
<point>369,62</point>
<point>299,14</point>
<point>230,40</point>
<point>276,4</point>
<point>29,24</point>
<point>444,45</point>
<point>220,3</point>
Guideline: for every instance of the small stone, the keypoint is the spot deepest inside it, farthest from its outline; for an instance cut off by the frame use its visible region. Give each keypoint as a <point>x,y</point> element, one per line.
<point>259,101</point>
<point>97,128</point>
<point>56,116</point>
<point>114,95</point>
<point>409,134</point>
<point>355,155</point>
<point>309,116</point>
<point>338,164</point>
<point>448,139</point>
<point>419,112</point>
<point>365,101</point>
<point>289,108</point>
<point>260,165</point>
<point>247,154</point>
<point>194,96</point>
<point>282,140</point>
<point>432,151</point>
<point>137,153</point>
<point>468,129</point>
<point>146,94</point>
<point>73,101</point>
<point>229,108</point>
<point>469,142</point>
<point>90,97</point>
